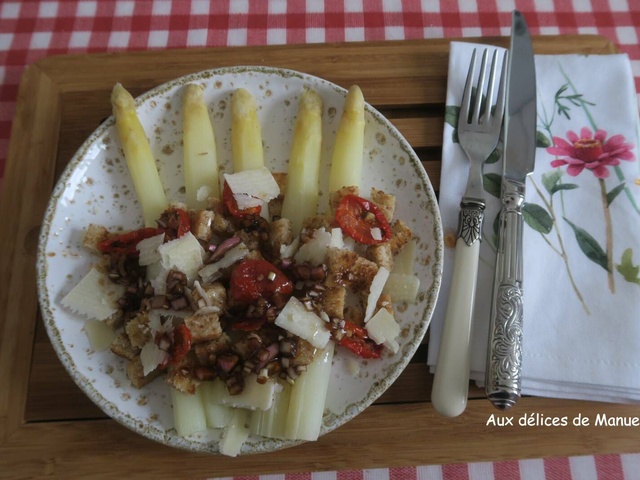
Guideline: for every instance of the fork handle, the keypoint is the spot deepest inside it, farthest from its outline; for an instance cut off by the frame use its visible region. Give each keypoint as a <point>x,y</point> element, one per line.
<point>451,379</point>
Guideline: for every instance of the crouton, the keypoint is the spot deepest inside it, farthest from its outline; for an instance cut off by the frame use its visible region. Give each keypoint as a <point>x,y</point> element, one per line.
<point>216,296</point>
<point>122,347</point>
<point>116,320</point>
<point>280,233</point>
<point>249,238</point>
<point>401,234</point>
<point>349,269</point>
<point>338,195</point>
<point>138,330</point>
<point>220,225</point>
<point>135,373</point>
<point>93,236</point>
<point>201,224</point>
<point>207,352</point>
<point>384,301</point>
<point>354,314</point>
<point>275,205</point>
<point>180,375</point>
<point>385,202</point>
<point>203,327</point>
<point>303,353</point>
<point>281,180</point>
<point>333,301</point>
<point>317,222</point>
<point>381,254</point>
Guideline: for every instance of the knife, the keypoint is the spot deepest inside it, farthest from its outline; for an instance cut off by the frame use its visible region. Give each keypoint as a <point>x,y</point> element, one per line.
<point>504,354</point>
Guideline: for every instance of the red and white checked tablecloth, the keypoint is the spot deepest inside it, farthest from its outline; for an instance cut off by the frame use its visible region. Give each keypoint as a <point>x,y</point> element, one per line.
<point>31,30</point>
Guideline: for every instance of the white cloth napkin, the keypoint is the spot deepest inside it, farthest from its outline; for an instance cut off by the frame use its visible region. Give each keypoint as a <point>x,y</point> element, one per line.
<point>581,335</point>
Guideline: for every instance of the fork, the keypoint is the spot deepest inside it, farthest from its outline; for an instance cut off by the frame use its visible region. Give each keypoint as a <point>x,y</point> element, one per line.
<point>479,127</point>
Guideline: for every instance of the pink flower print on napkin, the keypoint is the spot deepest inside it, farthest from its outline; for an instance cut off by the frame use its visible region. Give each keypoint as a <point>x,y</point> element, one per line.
<point>593,152</point>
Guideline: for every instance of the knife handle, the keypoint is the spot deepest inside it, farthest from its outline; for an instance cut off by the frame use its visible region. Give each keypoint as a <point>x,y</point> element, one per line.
<point>504,354</point>
<point>451,379</point>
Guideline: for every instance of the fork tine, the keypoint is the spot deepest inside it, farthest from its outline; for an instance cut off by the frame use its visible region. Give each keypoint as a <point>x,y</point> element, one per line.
<point>463,116</point>
<point>502,90</point>
<point>486,115</point>
<point>480,88</point>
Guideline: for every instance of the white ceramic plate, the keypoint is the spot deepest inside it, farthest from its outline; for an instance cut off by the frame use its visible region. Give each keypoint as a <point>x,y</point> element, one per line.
<point>96,188</point>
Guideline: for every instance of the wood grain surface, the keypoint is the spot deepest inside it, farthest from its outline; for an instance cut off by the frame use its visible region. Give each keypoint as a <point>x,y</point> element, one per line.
<point>49,428</point>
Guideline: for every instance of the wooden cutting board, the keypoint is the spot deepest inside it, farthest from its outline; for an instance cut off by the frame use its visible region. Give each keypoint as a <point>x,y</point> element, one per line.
<point>48,427</point>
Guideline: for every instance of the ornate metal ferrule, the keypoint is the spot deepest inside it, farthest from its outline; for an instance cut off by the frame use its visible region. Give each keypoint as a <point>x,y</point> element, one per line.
<point>470,221</point>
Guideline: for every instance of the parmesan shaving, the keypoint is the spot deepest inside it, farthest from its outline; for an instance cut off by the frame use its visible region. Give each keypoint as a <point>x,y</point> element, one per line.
<point>208,309</point>
<point>377,285</point>
<point>184,254</point>
<point>257,183</point>
<point>403,263</point>
<point>383,329</point>
<point>100,334</point>
<point>151,356</point>
<point>202,293</point>
<point>203,193</point>
<point>95,296</point>
<point>295,318</point>
<point>402,288</point>
<point>315,250</point>
<point>148,249</point>
<point>288,251</point>
<point>157,276</point>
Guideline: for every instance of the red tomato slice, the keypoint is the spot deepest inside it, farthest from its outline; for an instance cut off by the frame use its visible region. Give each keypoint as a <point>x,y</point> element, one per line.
<point>255,279</point>
<point>184,222</point>
<point>359,217</point>
<point>180,346</point>
<point>125,243</point>
<point>250,325</point>
<point>359,342</point>
<point>232,205</point>
<point>181,343</point>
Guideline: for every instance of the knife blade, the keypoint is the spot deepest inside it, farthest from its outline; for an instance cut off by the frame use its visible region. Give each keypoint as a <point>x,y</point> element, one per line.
<point>504,353</point>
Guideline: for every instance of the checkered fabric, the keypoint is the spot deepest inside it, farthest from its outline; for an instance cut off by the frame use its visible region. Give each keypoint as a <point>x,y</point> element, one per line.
<point>31,30</point>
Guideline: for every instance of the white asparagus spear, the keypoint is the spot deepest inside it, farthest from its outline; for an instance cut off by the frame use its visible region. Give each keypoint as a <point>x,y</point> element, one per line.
<point>137,152</point>
<point>246,134</point>
<point>301,200</point>
<point>200,156</point>
<point>346,164</point>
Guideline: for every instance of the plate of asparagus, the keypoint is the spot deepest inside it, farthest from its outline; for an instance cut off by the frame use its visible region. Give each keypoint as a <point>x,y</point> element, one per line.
<point>239,260</point>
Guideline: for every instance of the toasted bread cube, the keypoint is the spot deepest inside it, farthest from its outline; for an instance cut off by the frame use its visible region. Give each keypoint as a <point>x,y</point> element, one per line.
<point>203,327</point>
<point>317,222</point>
<point>220,225</point>
<point>122,347</point>
<point>201,224</point>
<point>350,269</point>
<point>135,373</point>
<point>138,330</point>
<point>180,375</point>
<point>401,235</point>
<point>93,236</point>
<point>207,352</point>
<point>385,301</point>
<point>333,301</point>
<point>338,195</point>
<point>280,233</point>
<point>216,296</point>
<point>381,254</point>
<point>385,202</point>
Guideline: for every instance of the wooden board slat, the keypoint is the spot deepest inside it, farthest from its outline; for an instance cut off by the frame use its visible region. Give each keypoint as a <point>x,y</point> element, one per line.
<point>48,427</point>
